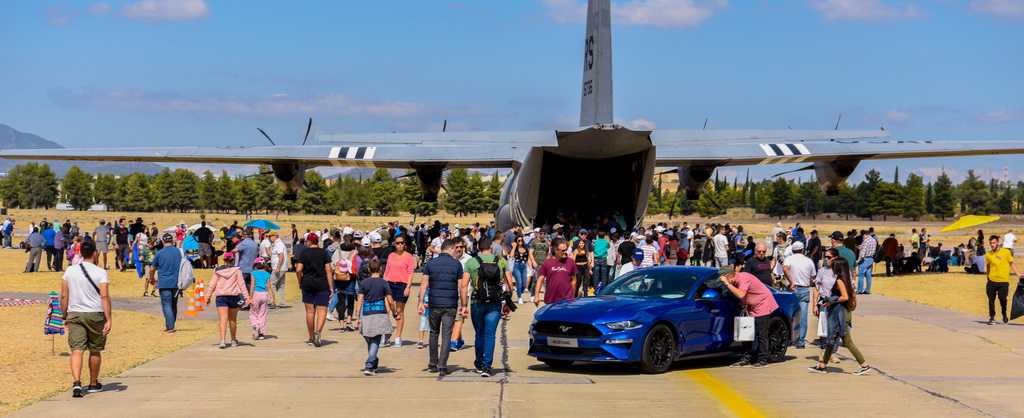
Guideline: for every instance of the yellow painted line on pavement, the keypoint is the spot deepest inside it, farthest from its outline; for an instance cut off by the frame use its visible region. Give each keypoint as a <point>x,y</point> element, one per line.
<point>729,398</point>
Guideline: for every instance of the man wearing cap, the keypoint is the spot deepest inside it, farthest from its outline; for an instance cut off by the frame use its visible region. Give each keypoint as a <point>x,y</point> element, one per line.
<point>636,262</point>
<point>435,244</point>
<point>166,263</point>
<point>278,268</point>
<point>760,304</point>
<point>135,229</point>
<point>102,237</point>
<point>800,273</point>
<point>246,252</point>
<point>865,262</point>
<point>846,253</point>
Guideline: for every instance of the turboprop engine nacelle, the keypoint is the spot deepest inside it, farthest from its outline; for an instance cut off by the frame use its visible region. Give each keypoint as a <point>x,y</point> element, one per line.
<point>832,174</point>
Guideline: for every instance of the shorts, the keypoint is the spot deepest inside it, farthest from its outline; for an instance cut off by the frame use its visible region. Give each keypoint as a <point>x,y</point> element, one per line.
<point>316,297</point>
<point>85,331</point>
<point>229,301</point>
<point>205,249</point>
<point>398,291</point>
<point>102,246</point>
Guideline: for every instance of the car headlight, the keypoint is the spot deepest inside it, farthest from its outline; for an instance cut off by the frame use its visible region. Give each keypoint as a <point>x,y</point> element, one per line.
<point>623,325</point>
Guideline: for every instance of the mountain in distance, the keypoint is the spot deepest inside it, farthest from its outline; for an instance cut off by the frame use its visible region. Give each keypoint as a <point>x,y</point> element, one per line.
<point>11,139</point>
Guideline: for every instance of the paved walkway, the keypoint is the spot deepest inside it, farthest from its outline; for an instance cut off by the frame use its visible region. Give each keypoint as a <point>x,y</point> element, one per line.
<point>929,361</point>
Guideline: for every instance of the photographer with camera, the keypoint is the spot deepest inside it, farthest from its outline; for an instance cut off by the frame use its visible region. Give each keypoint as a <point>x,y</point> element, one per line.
<point>483,279</point>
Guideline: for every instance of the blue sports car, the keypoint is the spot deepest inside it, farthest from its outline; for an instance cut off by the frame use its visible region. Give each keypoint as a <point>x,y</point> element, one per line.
<point>653,317</point>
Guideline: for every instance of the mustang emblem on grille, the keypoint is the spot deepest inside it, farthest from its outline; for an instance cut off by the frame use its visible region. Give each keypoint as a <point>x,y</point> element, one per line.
<point>564,328</point>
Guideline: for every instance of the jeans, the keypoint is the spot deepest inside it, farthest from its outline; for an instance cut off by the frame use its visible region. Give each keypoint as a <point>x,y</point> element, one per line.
<point>519,272</point>
<point>372,345</point>
<point>7,238</point>
<point>58,258</point>
<point>485,318</point>
<point>891,266</point>
<point>600,271</point>
<point>442,320</point>
<point>49,256</point>
<point>864,275</point>
<point>169,303</point>
<point>803,296</point>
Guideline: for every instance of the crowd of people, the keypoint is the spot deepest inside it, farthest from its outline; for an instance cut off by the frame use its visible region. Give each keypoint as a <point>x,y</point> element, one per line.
<point>361,279</point>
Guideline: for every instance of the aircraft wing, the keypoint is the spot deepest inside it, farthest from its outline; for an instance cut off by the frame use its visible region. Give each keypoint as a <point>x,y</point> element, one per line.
<point>767,149</point>
<point>469,156</point>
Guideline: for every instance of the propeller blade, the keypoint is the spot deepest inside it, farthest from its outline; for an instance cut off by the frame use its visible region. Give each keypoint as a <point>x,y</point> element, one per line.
<point>308,127</point>
<point>445,126</point>
<point>264,173</point>
<point>672,209</point>
<point>672,171</point>
<point>850,196</point>
<point>399,177</point>
<point>810,167</point>
<point>268,137</point>
<point>839,120</point>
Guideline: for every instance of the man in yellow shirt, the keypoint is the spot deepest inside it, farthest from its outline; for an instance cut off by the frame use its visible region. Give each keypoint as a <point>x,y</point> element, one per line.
<point>999,262</point>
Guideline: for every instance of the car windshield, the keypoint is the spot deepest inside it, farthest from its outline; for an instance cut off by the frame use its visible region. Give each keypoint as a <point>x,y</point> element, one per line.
<point>653,282</point>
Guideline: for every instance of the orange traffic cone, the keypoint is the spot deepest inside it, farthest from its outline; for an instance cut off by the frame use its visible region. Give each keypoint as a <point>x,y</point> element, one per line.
<point>198,291</point>
<point>191,306</point>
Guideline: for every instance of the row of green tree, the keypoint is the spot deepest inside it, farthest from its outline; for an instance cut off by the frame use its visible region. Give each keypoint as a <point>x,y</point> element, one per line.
<point>34,185</point>
<point>870,198</point>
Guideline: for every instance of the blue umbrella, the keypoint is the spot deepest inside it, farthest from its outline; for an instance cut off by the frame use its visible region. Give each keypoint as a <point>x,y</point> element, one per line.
<point>262,224</point>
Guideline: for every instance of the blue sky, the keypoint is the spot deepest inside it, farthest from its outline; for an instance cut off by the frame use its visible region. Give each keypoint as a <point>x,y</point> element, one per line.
<point>195,72</point>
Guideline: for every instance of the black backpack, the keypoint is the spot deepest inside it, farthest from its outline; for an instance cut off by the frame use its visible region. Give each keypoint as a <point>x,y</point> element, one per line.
<point>364,269</point>
<point>488,282</point>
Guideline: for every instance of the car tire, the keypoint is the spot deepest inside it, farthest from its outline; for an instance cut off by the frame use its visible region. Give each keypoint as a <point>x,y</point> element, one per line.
<point>557,364</point>
<point>659,350</point>
<point>778,339</point>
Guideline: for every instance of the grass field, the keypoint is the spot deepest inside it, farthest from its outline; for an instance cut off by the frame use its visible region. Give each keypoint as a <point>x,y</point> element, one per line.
<point>29,372</point>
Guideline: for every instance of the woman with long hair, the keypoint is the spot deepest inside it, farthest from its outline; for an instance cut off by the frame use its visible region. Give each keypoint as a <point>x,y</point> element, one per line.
<point>520,257</point>
<point>839,315</point>
<point>584,262</point>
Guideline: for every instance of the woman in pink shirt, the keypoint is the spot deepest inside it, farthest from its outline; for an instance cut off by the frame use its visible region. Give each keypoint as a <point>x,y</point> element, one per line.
<point>400,268</point>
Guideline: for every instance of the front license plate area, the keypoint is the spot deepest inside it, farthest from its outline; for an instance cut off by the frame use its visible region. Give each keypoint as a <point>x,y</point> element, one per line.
<point>563,342</point>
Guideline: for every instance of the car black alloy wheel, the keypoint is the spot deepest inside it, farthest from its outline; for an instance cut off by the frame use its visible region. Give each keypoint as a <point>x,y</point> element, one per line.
<point>778,341</point>
<point>659,350</point>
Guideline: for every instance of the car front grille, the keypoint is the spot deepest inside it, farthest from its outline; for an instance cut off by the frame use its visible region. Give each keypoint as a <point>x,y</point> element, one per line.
<point>566,329</point>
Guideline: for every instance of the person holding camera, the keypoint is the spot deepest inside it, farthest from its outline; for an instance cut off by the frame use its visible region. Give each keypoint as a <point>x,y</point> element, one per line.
<point>483,278</point>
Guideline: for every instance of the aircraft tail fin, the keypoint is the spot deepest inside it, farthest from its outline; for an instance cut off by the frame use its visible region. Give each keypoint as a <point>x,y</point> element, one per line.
<point>596,98</point>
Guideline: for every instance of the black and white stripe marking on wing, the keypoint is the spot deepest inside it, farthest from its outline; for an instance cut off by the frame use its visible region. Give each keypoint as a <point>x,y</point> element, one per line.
<point>353,153</point>
<point>785,150</point>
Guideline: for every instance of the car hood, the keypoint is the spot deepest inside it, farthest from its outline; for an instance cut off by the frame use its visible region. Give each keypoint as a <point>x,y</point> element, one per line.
<point>599,309</point>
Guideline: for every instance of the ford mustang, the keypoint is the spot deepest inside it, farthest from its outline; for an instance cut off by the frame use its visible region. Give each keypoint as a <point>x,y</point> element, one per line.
<point>653,317</point>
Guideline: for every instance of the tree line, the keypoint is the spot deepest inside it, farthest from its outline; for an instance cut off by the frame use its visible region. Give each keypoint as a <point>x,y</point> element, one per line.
<point>33,185</point>
<point>873,197</point>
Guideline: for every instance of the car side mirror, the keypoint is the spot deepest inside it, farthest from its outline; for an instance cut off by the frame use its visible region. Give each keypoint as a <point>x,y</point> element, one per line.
<point>710,294</point>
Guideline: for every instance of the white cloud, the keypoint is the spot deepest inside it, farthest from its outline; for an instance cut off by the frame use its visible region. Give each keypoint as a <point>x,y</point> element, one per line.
<point>931,174</point>
<point>896,116</point>
<point>658,13</point>
<point>166,10</point>
<point>1009,9</point>
<point>639,124</point>
<point>137,100</point>
<point>864,10</point>
<point>998,116</point>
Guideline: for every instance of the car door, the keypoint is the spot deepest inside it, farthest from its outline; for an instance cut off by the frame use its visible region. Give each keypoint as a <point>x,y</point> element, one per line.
<point>705,325</point>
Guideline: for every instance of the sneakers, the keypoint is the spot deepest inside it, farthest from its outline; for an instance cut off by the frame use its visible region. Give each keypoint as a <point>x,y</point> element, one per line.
<point>309,342</point>
<point>260,337</point>
<point>234,343</point>
<point>255,332</point>
<point>460,344</point>
<point>1006,320</point>
<point>741,363</point>
<point>991,321</point>
<point>98,387</point>
<point>862,371</point>
<point>331,317</point>
<point>348,326</point>
<point>442,372</point>
<point>77,392</point>
<point>454,346</point>
<point>818,369</point>
<point>759,365</point>
<point>486,372</point>
<point>369,372</point>
<point>520,301</point>
<point>398,342</point>
<point>316,339</point>
<point>223,345</point>
<point>432,369</point>
<point>420,344</point>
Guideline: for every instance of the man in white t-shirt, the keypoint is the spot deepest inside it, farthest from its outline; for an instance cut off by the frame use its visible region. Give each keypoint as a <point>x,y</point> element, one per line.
<point>435,244</point>
<point>85,300</point>
<point>800,273</point>
<point>278,267</point>
<point>1008,240</point>
<point>721,248</point>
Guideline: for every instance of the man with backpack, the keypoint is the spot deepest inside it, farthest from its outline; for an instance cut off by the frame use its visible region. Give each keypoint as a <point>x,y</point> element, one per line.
<point>482,279</point>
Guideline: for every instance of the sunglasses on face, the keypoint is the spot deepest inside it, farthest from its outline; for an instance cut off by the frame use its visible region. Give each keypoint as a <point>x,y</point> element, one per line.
<point>828,257</point>
<point>399,242</point>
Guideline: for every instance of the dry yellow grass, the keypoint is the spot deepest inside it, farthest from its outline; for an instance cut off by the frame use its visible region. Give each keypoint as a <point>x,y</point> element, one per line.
<point>29,372</point>
<point>959,292</point>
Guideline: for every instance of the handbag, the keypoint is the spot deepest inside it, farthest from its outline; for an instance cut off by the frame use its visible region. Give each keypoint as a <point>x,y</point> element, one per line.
<point>241,299</point>
<point>743,327</point>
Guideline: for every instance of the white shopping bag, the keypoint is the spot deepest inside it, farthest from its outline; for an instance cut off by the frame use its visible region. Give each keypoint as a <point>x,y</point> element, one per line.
<point>743,328</point>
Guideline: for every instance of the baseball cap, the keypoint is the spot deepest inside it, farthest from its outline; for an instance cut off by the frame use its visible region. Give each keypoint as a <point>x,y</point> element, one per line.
<point>375,237</point>
<point>229,256</point>
<point>312,237</point>
<point>347,230</point>
<point>838,236</point>
<point>168,238</point>
<point>365,242</point>
<point>556,226</point>
<point>797,246</point>
<point>139,219</point>
<point>669,232</point>
<point>258,260</point>
<point>357,234</point>
<point>638,254</point>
